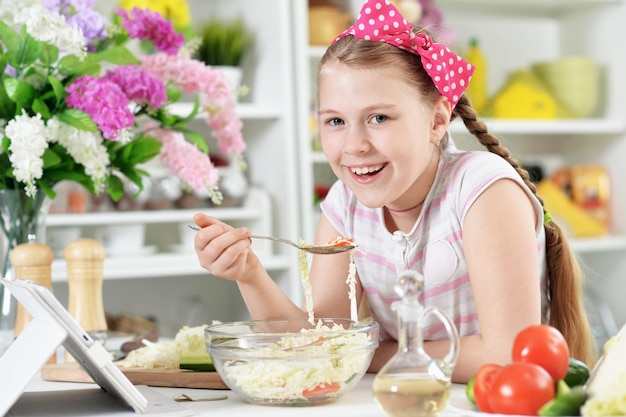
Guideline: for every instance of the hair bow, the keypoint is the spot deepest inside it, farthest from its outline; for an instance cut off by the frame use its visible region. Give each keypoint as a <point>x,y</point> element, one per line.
<point>379,20</point>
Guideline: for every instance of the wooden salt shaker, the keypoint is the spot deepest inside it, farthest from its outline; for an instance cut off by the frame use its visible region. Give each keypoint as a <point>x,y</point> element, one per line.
<point>85,274</point>
<point>31,261</point>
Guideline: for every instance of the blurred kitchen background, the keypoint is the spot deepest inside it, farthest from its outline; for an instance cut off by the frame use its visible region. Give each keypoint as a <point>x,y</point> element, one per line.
<point>550,83</point>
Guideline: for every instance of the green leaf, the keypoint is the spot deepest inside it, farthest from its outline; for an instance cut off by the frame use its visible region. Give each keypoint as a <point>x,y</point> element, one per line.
<point>19,91</point>
<point>47,189</point>
<point>79,119</point>
<point>119,55</point>
<point>7,106</point>
<point>50,158</point>
<point>39,106</point>
<point>166,118</point>
<point>192,115</point>
<point>49,54</point>
<point>58,88</point>
<point>28,52</point>
<point>198,140</point>
<point>173,94</point>
<point>10,38</point>
<point>115,189</point>
<point>141,149</point>
<point>71,65</point>
<point>134,176</point>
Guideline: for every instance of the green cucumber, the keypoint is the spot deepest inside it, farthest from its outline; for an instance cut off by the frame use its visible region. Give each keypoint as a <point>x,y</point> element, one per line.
<point>469,390</point>
<point>577,373</point>
<point>567,401</point>
<point>201,365</point>
<point>192,353</point>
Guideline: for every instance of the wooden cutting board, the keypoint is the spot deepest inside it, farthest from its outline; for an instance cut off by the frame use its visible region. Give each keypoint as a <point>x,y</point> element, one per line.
<point>180,378</point>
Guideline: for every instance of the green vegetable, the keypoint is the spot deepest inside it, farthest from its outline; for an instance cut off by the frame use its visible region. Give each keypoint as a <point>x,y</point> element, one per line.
<point>577,373</point>
<point>567,401</point>
<point>469,390</point>
<point>192,349</point>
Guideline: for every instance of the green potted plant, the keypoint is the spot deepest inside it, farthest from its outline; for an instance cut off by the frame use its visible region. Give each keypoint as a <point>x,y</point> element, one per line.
<point>224,44</point>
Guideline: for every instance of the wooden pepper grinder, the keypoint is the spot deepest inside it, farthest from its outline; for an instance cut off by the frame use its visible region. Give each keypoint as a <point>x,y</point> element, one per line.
<point>31,261</point>
<point>85,274</point>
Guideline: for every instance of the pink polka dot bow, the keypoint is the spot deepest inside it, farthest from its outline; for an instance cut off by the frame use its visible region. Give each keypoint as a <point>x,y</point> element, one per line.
<point>379,20</point>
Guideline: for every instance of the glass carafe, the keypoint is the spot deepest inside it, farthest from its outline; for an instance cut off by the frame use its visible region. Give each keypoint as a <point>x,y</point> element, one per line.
<point>412,384</point>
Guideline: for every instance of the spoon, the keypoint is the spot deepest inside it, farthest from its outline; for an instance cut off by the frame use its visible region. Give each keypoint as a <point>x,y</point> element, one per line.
<point>316,249</point>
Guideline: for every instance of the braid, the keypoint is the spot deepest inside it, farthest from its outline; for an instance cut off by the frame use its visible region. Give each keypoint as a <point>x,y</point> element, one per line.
<point>477,128</point>
<point>565,282</point>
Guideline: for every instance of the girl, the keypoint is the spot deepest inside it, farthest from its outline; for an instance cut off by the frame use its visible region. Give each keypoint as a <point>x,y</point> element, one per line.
<point>469,222</point>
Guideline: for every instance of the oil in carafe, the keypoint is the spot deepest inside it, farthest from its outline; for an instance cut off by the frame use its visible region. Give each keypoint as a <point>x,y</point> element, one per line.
<point>412,384</point>
<point>410,395</point>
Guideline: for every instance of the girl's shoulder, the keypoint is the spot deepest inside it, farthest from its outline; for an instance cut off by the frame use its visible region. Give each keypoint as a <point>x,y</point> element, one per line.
<point>478,164</point>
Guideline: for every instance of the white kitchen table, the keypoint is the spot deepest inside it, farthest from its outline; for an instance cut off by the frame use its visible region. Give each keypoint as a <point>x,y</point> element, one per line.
<point>358,402</point>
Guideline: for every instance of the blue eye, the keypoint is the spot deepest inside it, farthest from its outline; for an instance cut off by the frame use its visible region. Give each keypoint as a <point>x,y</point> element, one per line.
<point>335,122</point>
<point>379,118</point>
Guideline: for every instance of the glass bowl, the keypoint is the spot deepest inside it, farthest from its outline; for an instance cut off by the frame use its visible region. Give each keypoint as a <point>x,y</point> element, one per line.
<point>292,362</point>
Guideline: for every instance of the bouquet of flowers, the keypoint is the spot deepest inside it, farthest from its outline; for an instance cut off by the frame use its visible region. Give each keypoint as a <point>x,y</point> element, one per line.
<point>77,105</point>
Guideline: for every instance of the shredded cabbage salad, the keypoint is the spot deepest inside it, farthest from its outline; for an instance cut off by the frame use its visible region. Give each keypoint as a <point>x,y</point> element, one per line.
<point>319,370</point>
<point>306,282</point>
<point>162,355</point>
<point>189,341</point>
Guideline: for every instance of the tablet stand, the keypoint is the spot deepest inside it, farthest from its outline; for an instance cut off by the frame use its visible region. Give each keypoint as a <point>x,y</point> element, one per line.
<point>25,357</point>
<point>51,326</point>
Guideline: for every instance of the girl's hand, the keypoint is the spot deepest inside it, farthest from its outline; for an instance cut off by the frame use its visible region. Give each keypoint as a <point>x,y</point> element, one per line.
<point>224,251</point>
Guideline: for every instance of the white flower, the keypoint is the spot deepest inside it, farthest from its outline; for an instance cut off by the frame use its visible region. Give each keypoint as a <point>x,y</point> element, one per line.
<point>28,143</point>
<point>47,26</point>
<point>85,147</point>
<point>9,8</point>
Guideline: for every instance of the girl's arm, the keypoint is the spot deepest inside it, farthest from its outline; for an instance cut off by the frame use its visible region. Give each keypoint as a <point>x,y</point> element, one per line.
<point>501,255</point>
<point>226,252</point>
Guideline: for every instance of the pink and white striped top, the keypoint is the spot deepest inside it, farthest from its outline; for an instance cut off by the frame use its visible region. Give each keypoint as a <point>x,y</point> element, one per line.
<point>433,247</point>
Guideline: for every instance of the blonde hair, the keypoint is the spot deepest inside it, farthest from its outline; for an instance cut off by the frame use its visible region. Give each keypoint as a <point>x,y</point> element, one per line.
<point>565,279</point>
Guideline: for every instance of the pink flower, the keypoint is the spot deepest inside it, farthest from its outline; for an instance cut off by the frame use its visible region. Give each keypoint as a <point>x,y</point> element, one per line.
<point>186,161</point>
<point>104,102</point>
<point>149,25</point>
<point>140,86</point>
<point>217,100</point>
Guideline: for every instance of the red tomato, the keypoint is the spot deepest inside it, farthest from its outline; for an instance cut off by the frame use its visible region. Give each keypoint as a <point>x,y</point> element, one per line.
<point>321,390</point>
<point>483,382</point>
<point>341,241</point>
<point>545,346</point>
<point>521,388</point>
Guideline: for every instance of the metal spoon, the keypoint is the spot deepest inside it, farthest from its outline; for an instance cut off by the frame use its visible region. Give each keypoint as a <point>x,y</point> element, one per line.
<point>316,249</point>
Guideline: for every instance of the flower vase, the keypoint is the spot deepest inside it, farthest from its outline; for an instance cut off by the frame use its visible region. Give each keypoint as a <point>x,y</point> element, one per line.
<point>22,219</point>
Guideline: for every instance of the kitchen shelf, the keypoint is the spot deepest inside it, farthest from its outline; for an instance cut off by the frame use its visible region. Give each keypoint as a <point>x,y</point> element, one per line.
<point>246,111</point>
<point>160,265</point>
<point>598,244</point>
<point>553,8</point>
<point>249,210</point>
<point>316,52</point>
<point>592,126</point>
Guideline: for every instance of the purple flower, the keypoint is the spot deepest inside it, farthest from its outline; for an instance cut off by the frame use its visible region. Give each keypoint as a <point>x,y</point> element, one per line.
<point>81,13</point>
<point>148,25</point>
<point>139,85</point>
<point>104,101</point>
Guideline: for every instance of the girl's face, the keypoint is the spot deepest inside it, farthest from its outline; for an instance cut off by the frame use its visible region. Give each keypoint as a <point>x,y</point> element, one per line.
<point>379,135</point>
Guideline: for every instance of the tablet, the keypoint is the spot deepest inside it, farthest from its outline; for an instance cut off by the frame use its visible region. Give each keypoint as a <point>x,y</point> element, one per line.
<point>51,326</point>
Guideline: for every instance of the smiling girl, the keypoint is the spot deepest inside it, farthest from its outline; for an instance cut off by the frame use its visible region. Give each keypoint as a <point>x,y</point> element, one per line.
<point>469,221</point>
